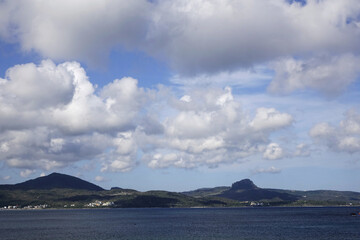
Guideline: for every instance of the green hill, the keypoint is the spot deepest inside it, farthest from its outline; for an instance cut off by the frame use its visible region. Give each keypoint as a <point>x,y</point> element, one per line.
<point>61,191</point>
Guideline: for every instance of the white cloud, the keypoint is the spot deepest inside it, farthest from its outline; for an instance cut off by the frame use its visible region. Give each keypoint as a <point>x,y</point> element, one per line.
<point>64,97</point>
<point>100,179</point>
<point>269,119</point>
<point>244,78</point>
<point>51,116</point>
<point>31,86</point>
<point>344,138</point>
<point>159,160</point>
<point>351,124</point>
<point>87,111</point>
<point>185,98</point>
<point>4,147</point>
<point>56,144</point>
<point>194,37</point>
<point>122,156</point>
<point>209,130</point>
<point>113,125</point>
<point>302,150</point>
<point>349,144</point>
<point>272,170</point>
<point>26,173</point>
<point>321,130</point>
<point>212,35</point>
<point>273,151</point>
<point>6,178</point>
<point>327,74</point>
<point>66,29</point>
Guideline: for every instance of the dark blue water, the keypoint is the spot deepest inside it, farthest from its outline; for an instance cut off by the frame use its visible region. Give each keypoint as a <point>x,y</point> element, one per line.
<point>235,223</point>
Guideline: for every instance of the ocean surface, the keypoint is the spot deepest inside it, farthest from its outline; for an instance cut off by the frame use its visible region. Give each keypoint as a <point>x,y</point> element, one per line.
<point>220,223</point>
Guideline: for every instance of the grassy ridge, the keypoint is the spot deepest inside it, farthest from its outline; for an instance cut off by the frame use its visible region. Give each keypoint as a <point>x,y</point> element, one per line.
<point>58,198</point>
<point>59,191</point>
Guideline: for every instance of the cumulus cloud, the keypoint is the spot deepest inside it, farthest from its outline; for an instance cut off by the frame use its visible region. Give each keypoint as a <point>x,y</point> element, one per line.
<point>122,157</point>
<point>273,151</point>
<point>120,122</point>
<point>194,37</point>
<point>270,118</point>
<point>63,96</point>
<point>28,91</point>
<point>343,138</point>
<point>330,75</point>
<point>51,116</point>
<point>30,86</point>
<point>209,127</point>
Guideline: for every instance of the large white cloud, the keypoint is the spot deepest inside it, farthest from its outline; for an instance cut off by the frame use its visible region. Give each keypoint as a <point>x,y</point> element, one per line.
<point>209,127</point>
<point>194,36</point>
<point>80,30</point>
<point>28,92</point>
<point>64,97</point>
<point>30,86</point>
<point>312,45</point>
<point>51,116</point>
<point>120,122</point>
<point>343,138</point>
<point>212,35</point>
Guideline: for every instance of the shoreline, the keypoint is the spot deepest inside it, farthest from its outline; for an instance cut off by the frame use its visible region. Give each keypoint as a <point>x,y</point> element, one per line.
<point>244,207</point>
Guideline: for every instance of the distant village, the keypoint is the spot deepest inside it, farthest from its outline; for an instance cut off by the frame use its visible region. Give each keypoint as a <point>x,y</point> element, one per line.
<point>95,204</point>
<point>42,206</point>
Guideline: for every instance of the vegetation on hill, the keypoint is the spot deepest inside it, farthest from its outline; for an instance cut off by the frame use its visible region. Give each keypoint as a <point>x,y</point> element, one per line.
<point>62,191</point>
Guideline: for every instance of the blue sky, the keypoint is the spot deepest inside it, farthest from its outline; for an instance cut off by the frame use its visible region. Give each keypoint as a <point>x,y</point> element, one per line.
<point>178,95</point>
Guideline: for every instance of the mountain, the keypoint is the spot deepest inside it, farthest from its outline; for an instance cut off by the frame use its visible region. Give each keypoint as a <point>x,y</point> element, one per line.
<point>52,181</point>
<point>244,190</point>
<point>245,184</point>
<point>60,191</point>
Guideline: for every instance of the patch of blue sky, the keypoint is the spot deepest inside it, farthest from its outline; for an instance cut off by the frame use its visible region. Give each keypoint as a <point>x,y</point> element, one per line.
<point>352,93</point>
<point>148,71</point>
<point>302,2</point>
<point>8,174</point>
<point>312,178</point>
<point>11,55</point>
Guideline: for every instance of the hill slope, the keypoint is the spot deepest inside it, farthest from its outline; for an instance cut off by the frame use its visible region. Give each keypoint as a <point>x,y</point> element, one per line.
<point>60,190</point>
<point>246,190</point>
<point>52,181</point>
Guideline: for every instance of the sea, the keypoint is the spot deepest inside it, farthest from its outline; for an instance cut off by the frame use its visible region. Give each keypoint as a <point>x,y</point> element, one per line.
<point>273,223</point>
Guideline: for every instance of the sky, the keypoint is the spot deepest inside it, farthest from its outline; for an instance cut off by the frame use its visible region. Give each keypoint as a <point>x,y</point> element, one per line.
<point>177,94</point>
